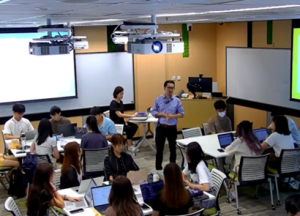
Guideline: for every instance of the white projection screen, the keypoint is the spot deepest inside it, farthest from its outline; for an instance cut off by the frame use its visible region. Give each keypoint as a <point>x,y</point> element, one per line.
<point>260,75</point>
<point>97,76</point>
<point>26,77</point>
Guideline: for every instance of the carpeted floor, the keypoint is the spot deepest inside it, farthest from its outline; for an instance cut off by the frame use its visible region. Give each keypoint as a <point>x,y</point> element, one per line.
<point>248,205</point>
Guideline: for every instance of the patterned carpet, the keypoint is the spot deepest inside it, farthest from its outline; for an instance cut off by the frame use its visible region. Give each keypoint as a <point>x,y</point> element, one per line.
<point>248,205</point>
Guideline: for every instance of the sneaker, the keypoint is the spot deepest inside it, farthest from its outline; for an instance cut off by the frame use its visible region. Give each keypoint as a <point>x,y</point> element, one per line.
<point>133,149</point>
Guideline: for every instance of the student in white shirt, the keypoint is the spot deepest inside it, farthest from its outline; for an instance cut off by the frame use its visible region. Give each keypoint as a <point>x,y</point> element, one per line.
<point>280,139</point>
<point>292,126</point>
<point>196,168</point>
<point>17,125</point>
<point>246,144</point>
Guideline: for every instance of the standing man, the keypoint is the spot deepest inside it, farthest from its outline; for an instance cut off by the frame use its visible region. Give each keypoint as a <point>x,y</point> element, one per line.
<point>167,109</point>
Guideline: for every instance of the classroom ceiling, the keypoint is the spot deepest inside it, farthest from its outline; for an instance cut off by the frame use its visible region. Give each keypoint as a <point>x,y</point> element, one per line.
<point>21,13</point>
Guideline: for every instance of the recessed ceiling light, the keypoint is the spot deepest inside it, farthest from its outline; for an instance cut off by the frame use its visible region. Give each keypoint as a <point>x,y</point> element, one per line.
<point>3,1</point>
<point>78,1</point>
<point>41,8</point>
<point>97,21</point>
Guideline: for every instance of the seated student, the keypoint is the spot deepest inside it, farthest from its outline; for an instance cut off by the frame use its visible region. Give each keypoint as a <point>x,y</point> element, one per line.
<point>121,199</point>
<point>8,161</point>
<point>174,199</point>
<point>57,119</point>
<point>118,162</point>
<point>245,144</point>
<point>93,139</point>
<point>196,168</point>
<point>219,123</point>
<point>116,112</point>
<point>71,173</point>
<point>43,194</point>
<point>17,125</point>
<point>43,143</point>
<point>292,126</point>
<point>106,125</point>
<point>280,139</point>
<point>292,205</point>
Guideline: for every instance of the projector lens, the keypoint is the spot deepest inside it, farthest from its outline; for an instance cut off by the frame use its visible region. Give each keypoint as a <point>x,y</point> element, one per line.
<point>157,47</point>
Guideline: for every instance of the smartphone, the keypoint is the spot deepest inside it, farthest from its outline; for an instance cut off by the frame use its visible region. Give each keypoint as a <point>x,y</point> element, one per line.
<point>145,207</point>
<point>221,150</point>
<point>20,152</point>
<point>54,137</point>
<point>77,211</point>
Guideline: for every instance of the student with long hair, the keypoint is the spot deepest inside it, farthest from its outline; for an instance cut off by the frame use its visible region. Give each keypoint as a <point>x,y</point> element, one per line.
<point>71,173</point>
<point>245,144</point>
<point>44,144</point>
<point>118,162</point>
<point>43,194</point>
<point>196,168</point>
<point>116,112</point>
<point>121,199</point>
<point>93,139</point>
<point>280,139</point>
<point>174,199</point>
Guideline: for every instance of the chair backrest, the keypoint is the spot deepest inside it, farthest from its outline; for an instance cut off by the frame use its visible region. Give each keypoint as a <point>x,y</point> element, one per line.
<point>192,132</point>
<point>196,213</point>
<point>11,206</point>
<point>182,152</point>
<point>106,113</point>
<point>253,169</point>
<point>56,179</point>
<point>93,161</point>
<point>43,159</point>
<point>218,178</point>
<point>205,128</point>
<point>289,162</point>
<point>4,143</point>
<point>119,128</point>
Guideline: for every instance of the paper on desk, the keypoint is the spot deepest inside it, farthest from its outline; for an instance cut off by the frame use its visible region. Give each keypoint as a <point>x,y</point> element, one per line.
<point>96,212</point>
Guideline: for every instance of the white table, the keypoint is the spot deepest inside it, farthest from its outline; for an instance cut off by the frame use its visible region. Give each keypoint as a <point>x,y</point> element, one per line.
<point>29,143</point>
<point>150,120</point>
<point>89,211</point>
<point>209,144</point>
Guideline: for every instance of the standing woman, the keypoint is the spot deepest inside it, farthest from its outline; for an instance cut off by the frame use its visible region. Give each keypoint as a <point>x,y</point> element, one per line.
<point>116,112</point>
<point>121,199</point>
<point>43,194</point>
<point>71,173</point>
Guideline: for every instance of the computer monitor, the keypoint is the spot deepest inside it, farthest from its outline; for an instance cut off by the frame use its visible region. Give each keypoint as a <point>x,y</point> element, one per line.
<point>261,134</point>
<point>197,84</point>
<point>225,139</point>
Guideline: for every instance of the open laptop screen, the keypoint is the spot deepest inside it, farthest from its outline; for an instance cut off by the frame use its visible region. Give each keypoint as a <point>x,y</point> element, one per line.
<point>225,139</point>
<point>151,189</point>
<point>261,134</point>
<point>100,195</point>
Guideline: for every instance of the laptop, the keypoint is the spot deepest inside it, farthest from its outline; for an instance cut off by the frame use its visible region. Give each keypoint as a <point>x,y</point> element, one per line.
<point>100,198</point>
<point>150,190</point>
<point>66,129</point>
<point>261,134</point>
<point>80,132</point>
<point>30,134</point>
<point>225,139</point>
<point>99,181</point>
<point>85,185</point>
<point>84,203</point>
<point>138,177</point>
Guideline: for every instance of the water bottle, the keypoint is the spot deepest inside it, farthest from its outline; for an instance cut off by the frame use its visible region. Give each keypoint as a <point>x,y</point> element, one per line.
<point>110,180</point>
<point>23,140</point>
<point>62,140</point>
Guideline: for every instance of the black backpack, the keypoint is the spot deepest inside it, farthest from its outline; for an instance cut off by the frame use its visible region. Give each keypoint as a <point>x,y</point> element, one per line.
<point>16,184</point>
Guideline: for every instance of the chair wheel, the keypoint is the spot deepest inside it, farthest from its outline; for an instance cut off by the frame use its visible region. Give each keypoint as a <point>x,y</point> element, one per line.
<point>278,203</point>
<point>239,212</point>
<point>228,200</point>
<point>255,197</point>
<point>273,208</point>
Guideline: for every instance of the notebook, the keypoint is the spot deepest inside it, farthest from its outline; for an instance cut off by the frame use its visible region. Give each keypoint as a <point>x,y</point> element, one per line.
<point>225,139</point>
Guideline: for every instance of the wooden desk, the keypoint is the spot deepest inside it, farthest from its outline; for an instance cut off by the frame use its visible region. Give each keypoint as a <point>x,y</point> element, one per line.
<point>196,112</point>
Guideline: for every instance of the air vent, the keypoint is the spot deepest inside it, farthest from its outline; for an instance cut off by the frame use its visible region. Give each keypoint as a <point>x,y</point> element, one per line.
<point>63,50</point>
<point>169,48</point>
<point>45,50</point>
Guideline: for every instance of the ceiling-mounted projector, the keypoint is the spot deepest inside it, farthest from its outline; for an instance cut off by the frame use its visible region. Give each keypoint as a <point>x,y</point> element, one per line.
<point>153,46</point>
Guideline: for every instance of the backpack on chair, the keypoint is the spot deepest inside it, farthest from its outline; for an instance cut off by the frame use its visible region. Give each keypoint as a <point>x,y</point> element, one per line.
<point>16,184</point>
<point>29,167</point>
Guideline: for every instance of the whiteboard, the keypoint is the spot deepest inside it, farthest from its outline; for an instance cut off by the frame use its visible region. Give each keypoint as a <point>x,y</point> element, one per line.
<point>260,75</point>
<point>97,76</point>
